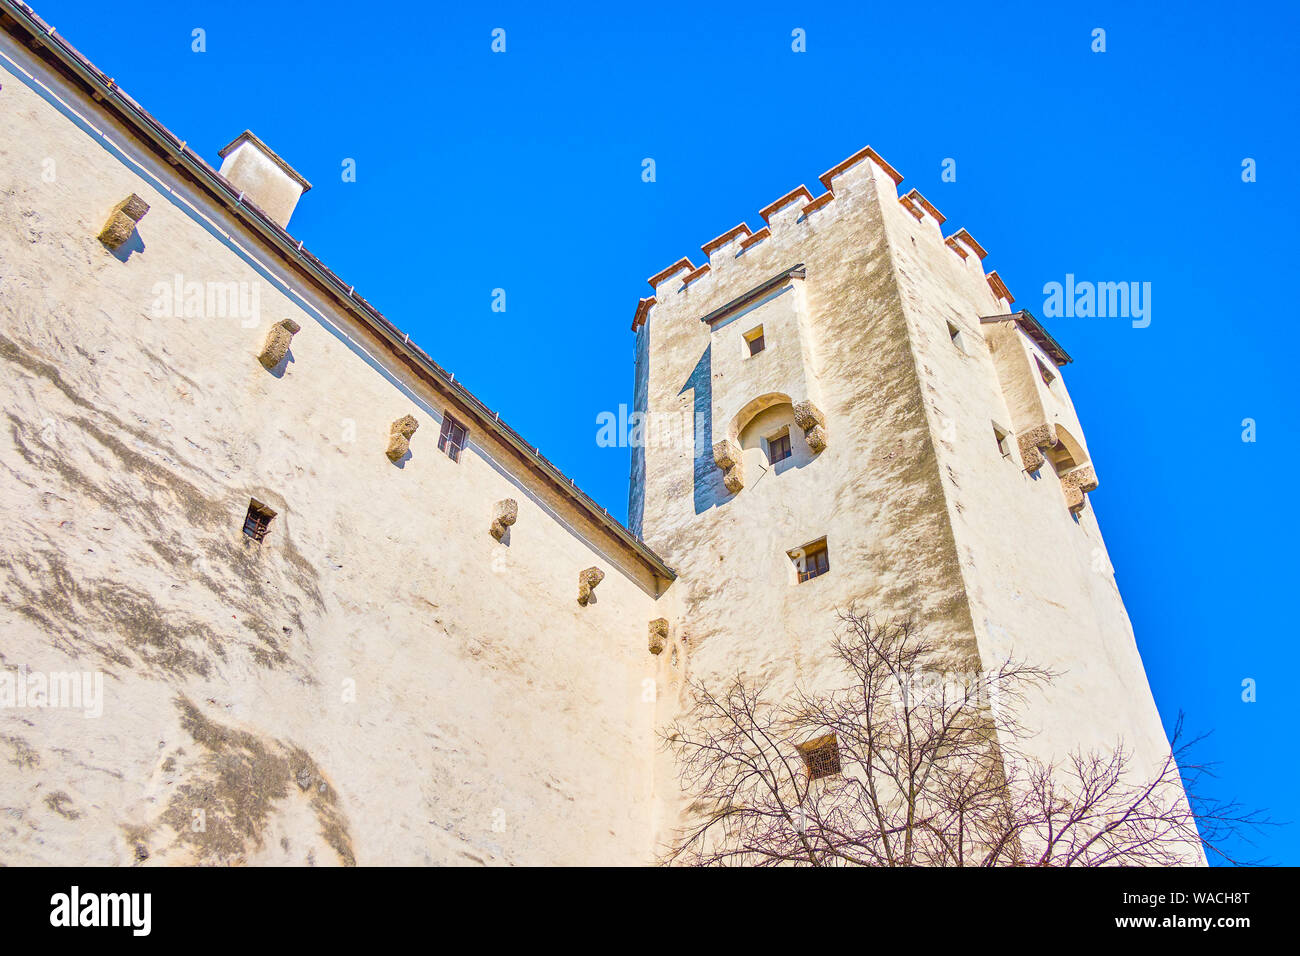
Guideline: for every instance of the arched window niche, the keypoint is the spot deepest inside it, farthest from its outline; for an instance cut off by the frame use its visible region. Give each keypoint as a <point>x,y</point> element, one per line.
<point>1070,461</point>
<point>772,433</point>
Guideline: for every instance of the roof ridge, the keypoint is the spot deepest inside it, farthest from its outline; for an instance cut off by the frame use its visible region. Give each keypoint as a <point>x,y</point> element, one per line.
<point>103,89</point>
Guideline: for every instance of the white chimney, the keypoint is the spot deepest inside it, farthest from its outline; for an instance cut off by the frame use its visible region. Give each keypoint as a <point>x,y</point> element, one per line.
<point>266,180</point>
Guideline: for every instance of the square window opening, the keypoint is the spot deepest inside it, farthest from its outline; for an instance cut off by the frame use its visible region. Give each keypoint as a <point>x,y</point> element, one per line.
<point>257,522</point>
<point>754,341</point>
<point>451,439</point>
<point>821,756</point>
<point>778,447</point>
<point>812,560</point>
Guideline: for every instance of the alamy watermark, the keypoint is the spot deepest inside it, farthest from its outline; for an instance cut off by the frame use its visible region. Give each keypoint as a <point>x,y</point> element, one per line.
<point>132,911</point>
<point>948,690</point>
<point>1101,300</point>
<point>71,690</point>
<point>673,430</point>
<point>179,299</point>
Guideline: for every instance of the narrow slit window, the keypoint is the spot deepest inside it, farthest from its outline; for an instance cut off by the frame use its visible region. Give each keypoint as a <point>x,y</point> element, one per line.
<point>1003,439</point>
<point>778,447</point>
<point>1046,374</point>
<point>811,561</point>
<point>954,333</point>
<point>452,437</point>
<point>821,756</point>
<point>754,341</point>
<point>257,522</point>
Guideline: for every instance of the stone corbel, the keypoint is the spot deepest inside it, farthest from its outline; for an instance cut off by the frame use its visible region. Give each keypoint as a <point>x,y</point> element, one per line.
<point>658,635</point>
<point>727,457</point>
<point>122,221</point>
<point>399,436</point>
<point>587,581</point>
<point>1031,443</point>
<point>506,512</point>
<point>809,418</point>
<point>277,343</point>
<point>1075,483</point>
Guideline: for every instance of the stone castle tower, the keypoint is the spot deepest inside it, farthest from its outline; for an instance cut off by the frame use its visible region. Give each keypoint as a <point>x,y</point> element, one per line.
<point>874,424</point>
<point>277,588</point>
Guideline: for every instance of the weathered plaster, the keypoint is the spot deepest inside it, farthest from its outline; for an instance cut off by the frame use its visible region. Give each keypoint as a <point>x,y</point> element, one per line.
<point>380,682</point>
<point>448,693</point>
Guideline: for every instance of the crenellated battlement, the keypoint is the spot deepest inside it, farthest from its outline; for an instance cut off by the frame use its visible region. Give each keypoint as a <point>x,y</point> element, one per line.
<point>795,208</point>
<point>734,234</point>
<point>789,199</point>
<point>1000,289</point>
<point>920,207</point>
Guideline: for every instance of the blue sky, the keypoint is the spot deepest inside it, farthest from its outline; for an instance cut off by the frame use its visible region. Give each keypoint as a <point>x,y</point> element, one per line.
<point>522,171</point>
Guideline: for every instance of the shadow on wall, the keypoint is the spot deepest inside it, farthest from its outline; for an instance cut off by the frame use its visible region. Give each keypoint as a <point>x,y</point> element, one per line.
<point>279,368</point>
<point>640,405</point>
<point>124,251</point>
<point>709,490</point>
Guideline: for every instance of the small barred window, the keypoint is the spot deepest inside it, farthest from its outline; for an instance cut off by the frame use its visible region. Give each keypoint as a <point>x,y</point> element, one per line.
<point>821,757</point>
<point>257,522</point>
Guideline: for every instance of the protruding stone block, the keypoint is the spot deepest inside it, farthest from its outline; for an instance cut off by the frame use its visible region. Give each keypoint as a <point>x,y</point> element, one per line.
<point>400,432</point>
<point>122,221</point>
<point>810,418</point>
<point>277,343</point>
<point>504,516</point>
<point>1075,483</point>
<point>658,635</point>
<point>1085,478</point>
<point>1034,439</point>
<point>727,457</point>
<point>587,581</point>
<point>807,415</point>
<point>1073,497</point>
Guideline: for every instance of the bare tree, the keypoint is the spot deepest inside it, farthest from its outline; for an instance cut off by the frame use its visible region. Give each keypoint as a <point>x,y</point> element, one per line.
<point>907,767</point>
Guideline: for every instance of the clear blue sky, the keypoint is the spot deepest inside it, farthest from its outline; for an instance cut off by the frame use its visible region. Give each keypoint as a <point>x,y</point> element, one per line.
<point>522,171</point>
